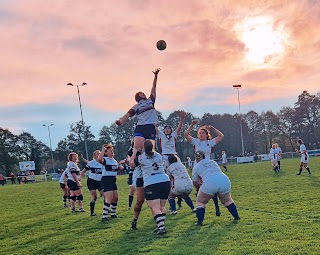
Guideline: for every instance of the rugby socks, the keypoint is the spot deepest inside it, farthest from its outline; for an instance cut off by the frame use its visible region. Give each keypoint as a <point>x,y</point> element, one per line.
<point>65,201</point>
<point>216,204</point>
<point>200,214</point>
<point>279,164</point>
<point>92,205</point>
<point>233,210</point>
<point>130,200</point>
<point>113,211</point>
<point>160,218</point>
<point>225,168</point>
<point>179,201</point>
<point>106,209</point>
<point>300,171</point>
<point>172,203</point>
<point>189,202</point>
<point>276,169</point>
<point>308,169</point>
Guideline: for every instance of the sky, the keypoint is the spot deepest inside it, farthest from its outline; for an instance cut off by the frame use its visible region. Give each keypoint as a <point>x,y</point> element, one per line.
<point>271,48</point>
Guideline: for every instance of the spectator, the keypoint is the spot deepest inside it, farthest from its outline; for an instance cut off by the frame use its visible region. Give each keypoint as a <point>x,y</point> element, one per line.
<point>2,180</point>
<point>13,178</point>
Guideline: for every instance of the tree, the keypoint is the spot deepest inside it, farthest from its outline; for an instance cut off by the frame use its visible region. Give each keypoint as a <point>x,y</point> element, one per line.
<point>8,148</point>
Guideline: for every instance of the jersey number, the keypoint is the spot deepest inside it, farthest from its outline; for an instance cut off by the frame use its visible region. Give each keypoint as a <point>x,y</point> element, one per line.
<point>155,167</point>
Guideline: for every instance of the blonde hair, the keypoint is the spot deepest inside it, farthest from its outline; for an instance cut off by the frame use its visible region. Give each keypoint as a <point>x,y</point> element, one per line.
<point>70,156</point>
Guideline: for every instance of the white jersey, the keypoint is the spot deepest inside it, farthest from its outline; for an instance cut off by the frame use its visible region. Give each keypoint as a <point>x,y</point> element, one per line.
<point>152,169</point>
<point>279,151</point>
<point>304,154</point>
<point>109,167</point>
<point>205,169</point>
<point>224,158</point>
<point>95,169</point>
<point>273,154</point>
<point>168,142</point>
<point>61,180</point>
<point>178,171</point>
<point>72,168</point>
<point>205,146</point>
<point>145,111</point>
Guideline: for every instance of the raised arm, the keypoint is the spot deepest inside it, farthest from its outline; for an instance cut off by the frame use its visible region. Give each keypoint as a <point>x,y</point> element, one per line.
<point>219,137</point>
<point>154,85</point>
<point>124,118</point>
<point>182,117</point>
<point>100,158</point>
<point>187,133</point>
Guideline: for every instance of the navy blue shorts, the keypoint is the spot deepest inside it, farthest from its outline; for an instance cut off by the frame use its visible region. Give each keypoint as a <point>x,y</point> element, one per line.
<point>146,131</point>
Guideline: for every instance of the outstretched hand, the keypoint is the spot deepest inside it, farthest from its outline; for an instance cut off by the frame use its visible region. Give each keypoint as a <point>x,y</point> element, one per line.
<point>194,122</point>
<point>118,123</point>
<point>182,114</point>
<point>156,71</point>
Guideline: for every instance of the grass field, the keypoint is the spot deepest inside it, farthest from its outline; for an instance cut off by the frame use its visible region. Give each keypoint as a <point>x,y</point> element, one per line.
<point>280,214</point>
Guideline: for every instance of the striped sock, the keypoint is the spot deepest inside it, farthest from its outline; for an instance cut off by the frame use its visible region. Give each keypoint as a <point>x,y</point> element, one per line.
<point>106,210</point>
<point>113,210</point>
<point>160,218</point>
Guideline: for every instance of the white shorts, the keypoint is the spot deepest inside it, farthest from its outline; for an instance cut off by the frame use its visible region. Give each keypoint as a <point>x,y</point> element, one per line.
<point>304,159</point>
<point>182,186</point>
<point>218,183</point>
<point>274,162</point>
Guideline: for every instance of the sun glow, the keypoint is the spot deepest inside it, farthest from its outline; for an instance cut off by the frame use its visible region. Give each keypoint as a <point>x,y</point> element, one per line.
<point>264,43</point>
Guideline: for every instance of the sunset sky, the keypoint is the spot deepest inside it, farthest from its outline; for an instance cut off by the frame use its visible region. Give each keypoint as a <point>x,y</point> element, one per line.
<point>270,47</point>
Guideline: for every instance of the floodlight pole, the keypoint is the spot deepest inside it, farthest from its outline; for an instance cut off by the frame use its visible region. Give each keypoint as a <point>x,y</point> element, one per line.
<point>48,126</point>
<point>237,87</point>
<point>84,131</point>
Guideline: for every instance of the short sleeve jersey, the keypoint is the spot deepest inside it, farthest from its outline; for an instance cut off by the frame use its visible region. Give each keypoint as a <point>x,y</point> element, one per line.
<point>61,180</point>
<point>152,169</point>
<point>178,171</point>
<point>168,142</point>
<point>205,146</point>
<point>145,111</point>
<point>303,148</point>
<point>72,168</point>
<point>204,169</point>
<point>95,169</point>
<point>224,158</point>
<point>274,154</point>
<point>109,167</point>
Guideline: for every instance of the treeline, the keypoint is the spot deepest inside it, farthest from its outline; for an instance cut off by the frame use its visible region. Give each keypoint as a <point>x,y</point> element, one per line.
<point>260,130</point>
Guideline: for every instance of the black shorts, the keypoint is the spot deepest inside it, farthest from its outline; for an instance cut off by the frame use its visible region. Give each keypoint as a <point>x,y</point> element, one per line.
<point>62,185</point>
<point>139,182</point>
<point>147,131</point>
<point>157,191</point>
<point>108,183</point>
<point>93,184</point>
<point>72,185</point>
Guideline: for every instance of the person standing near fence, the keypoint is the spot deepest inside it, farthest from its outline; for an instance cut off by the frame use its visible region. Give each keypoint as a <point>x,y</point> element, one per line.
<point>224,160</point>
<point>13,178</point>
<point>304,157</point>
<point>279,152</point>
<point>274,157</point>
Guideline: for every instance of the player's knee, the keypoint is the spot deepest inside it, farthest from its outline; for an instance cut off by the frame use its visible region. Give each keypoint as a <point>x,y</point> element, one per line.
<point>80,197</point>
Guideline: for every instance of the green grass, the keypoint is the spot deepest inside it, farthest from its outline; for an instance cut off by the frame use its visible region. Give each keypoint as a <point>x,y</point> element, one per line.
<point>280,214</point>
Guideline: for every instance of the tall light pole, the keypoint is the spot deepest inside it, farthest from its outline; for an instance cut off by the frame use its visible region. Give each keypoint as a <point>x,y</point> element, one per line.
<point>237,87</point>
<point>84,132</point>
<point>48,126</point>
